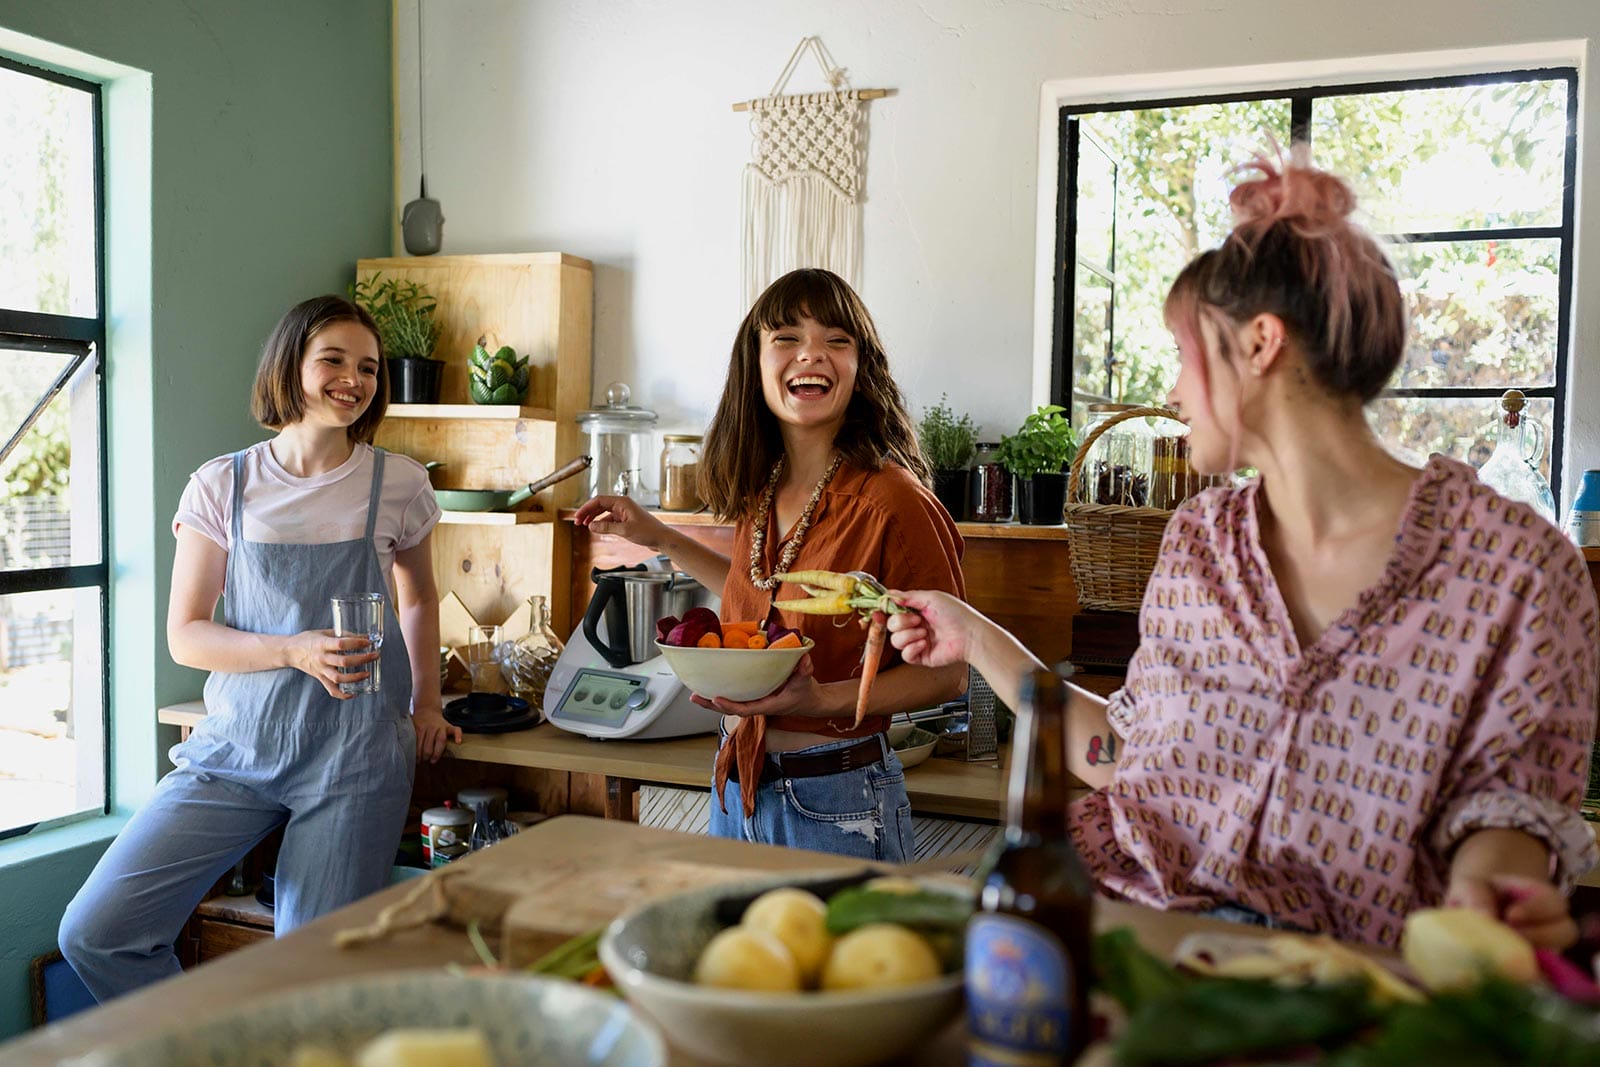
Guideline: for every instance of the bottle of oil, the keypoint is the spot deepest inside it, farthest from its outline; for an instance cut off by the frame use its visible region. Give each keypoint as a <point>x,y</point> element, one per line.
<point>1029,945</point>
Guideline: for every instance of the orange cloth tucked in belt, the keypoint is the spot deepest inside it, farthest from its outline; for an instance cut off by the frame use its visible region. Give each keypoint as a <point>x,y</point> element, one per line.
<point>883,522</point>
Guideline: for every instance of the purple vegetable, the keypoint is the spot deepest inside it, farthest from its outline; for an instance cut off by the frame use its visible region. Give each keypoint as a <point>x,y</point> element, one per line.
<point>679,636</point>
<point>665,627</point>
<point>706,620</point>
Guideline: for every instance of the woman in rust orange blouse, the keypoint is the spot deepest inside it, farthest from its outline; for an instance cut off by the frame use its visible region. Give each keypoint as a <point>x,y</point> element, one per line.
<point>813,458</point>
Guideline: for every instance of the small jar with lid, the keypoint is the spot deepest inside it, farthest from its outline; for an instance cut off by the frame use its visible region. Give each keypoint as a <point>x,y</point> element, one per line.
<point>680,472</point>
<point>991,496</point>
<point>1117,469</point>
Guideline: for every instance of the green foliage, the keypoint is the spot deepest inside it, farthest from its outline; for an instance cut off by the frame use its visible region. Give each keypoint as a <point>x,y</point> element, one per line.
<point>1045,442</point>
<point>41,463</point>
<point>947,441</point>
<point>404,312</point>
<point>498,378</point>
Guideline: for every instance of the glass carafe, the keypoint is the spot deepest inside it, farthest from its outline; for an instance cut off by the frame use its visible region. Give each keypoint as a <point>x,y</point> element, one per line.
<point>530,658</point>
<point>1513,469</point>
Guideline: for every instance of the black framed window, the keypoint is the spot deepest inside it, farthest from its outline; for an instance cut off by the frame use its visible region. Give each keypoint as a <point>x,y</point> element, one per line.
<point>54,578</point>
<point>1470,178</point>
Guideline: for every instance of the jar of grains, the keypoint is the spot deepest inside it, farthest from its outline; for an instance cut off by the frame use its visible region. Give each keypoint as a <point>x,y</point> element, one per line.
<point>680,470</point>
<point>990,499</point>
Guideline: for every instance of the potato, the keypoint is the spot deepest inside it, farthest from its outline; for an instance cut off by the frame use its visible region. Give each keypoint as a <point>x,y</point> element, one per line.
<point>426,1047</point>
<point>1456,948</point>
<point>879,955</point>
<point>744,957</point>
<point>799,920</point>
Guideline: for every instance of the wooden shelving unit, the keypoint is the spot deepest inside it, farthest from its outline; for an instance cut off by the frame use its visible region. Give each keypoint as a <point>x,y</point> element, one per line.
<point>541,304</point>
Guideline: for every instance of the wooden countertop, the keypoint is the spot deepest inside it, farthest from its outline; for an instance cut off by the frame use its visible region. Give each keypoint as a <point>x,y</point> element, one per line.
<point>936,787</point>
<point>600,849</point>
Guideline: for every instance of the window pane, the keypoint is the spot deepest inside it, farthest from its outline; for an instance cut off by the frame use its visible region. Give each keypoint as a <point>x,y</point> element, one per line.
<point>52,758</point>
<point>47,209</point>
<point>1464,429</point>
<point>1481,313</point>
<point>1091,319</point>
<point>1465,157</point>
<point>50,482</point>
<point>1097,203</point>
<point>1172,202</point>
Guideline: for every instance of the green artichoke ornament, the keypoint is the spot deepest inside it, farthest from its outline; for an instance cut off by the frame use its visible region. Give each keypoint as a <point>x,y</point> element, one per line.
<point>500,377</point>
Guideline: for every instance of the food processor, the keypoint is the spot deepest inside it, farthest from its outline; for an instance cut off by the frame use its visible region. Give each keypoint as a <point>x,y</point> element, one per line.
<point>610,681</point>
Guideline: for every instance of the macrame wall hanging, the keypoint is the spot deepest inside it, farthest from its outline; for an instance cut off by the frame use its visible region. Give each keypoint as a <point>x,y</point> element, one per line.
<point>801,203</point>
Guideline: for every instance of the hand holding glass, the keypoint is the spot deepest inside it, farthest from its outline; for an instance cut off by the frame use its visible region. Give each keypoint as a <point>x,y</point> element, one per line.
<point>360,615</point>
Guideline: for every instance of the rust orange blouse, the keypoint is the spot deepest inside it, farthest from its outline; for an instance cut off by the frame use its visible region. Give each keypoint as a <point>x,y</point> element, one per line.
<point>883,522</point>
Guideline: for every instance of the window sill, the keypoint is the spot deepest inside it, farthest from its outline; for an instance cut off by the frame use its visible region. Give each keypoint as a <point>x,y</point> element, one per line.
<point>95,830</point>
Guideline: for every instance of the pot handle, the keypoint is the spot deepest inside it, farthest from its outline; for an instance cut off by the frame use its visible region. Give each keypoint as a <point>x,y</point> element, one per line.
<point>561,474</point>
<point>609,598</point>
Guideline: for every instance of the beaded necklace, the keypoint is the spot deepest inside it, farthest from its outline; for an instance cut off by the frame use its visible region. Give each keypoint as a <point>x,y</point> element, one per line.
<point>791,548</point>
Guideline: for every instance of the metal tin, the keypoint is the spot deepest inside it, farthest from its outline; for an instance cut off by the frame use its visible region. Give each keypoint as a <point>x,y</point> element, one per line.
<point>446,835</point>
<point>1584,528</point>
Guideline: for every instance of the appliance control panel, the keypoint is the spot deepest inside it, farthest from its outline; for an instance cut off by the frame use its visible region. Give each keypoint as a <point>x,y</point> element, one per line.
<point>605,698</point>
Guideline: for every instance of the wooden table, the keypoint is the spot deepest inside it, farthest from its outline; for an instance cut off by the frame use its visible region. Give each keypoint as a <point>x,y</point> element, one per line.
<point>593,845</point>
<point>936,787</point>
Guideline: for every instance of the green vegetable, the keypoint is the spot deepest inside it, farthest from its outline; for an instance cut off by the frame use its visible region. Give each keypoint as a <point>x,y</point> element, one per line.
<point>574,958</point>
<point>1128,973</point>
<point>1217,1019</point>
<point>924,910</point>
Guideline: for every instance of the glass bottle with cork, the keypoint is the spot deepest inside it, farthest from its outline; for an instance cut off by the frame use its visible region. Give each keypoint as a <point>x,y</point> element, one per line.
<point>1028,952</point>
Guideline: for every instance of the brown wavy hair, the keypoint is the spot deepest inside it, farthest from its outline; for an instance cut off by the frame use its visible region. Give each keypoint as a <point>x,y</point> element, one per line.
<point>1294,252</point>
<point>276,400</point>
<point>743,441</point>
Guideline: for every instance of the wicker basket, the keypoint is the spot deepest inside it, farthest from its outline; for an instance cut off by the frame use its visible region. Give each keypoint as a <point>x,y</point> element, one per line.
<point>1113,546</point>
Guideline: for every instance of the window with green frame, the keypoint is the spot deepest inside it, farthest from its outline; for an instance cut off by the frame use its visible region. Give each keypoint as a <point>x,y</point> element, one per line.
<point>1470,178</point>
<point>53,544</point>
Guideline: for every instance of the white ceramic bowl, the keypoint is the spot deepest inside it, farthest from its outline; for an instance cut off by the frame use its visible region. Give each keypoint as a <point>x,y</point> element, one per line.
<point>915,747</point>
<point>733,673</point>
<point>900,728</point>
<point>651,954</point>
<point>529,1022</point>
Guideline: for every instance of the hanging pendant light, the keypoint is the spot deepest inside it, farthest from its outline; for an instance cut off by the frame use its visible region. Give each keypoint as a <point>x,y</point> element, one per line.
<point>422,220</point>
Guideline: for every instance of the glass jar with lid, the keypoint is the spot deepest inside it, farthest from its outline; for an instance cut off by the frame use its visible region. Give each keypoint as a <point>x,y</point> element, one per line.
<point>991,496</point>
<point>618,433</point>
<point>1117,469</point>
<point>680,472</point>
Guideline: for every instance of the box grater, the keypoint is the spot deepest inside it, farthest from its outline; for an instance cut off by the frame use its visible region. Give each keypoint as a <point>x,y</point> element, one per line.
<point>982,739</point>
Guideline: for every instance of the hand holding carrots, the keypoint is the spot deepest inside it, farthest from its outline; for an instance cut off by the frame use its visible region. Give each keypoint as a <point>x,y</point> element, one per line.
<point>935,631</point>
<point>842,594</point>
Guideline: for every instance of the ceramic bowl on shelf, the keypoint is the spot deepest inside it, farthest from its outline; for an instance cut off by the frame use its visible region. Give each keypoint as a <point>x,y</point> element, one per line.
<point>915,747</point>
<point>526,1020</point>
<point>651,954</point>
<point>733,673</point>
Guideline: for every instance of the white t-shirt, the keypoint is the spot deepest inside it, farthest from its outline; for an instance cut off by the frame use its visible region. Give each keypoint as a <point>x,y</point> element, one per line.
<point>280,508</point>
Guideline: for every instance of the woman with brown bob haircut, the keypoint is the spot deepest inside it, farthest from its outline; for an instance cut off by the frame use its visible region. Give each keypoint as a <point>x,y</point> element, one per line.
<point>813,458</point>
<point>292,737</point>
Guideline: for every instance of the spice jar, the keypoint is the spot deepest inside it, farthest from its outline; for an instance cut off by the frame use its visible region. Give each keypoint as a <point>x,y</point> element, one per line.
<point>680,472</point>
<point>990,499</point>
<point>1118,468</point>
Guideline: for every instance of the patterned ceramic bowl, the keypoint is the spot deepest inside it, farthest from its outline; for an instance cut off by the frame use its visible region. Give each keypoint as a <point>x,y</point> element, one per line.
<point>651,953</point>
<point>529,1022</point>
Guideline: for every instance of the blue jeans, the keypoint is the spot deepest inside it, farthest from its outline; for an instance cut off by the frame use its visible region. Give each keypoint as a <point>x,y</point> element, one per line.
<point>862,813</point>
<point>1238,913</point>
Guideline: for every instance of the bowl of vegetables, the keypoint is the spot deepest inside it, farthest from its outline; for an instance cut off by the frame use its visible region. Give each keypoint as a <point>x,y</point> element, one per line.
<point>796,972</point>
<point>732,660</point>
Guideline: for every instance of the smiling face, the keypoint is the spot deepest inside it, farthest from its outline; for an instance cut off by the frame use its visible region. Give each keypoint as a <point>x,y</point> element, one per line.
<point>339,374</point>
<point>808,373</point>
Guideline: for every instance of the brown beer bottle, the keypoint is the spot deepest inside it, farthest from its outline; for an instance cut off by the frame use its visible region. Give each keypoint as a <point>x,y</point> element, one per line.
<point>1029,944</point>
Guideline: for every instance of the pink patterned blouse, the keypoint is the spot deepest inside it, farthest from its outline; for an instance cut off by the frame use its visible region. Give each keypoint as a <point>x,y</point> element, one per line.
<point>1326,786</point>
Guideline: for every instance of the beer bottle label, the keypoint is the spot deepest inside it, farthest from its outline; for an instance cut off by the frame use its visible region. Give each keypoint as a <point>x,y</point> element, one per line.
<point>1019,988</point>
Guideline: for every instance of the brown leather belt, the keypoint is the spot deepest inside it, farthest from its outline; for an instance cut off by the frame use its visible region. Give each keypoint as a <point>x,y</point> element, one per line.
<point>864,753</point>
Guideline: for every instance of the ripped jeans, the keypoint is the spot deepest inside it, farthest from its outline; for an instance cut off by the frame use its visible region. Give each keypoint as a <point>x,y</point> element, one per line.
<point>862,813</point>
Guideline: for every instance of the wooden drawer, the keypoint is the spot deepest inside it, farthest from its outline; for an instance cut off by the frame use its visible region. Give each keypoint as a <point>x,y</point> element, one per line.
<point>217,937</point>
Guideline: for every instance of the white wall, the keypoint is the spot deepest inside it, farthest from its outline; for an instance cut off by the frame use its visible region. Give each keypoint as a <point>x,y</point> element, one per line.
<point>603,128</point>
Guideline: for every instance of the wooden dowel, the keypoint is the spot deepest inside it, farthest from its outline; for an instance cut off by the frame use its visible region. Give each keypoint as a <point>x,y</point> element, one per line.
<point>862,94</point>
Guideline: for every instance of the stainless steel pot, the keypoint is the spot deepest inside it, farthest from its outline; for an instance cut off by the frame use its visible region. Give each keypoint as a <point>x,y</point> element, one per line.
<point>630,600</point>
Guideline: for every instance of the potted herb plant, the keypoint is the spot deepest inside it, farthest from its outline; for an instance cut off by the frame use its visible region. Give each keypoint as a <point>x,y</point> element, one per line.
<point>408,330</point>
<point>948,441</point>
<point>1038,454</point>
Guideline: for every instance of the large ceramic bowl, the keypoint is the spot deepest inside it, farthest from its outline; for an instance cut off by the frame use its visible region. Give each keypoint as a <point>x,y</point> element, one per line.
<point>651,954</point>
<point>529,1022</point>
<point>733,673</point>
<point>915,747</point>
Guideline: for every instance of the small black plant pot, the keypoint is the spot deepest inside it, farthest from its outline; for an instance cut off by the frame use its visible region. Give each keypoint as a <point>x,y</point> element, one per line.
<point>1042,499</point>
<point>950,486</point>
<point>414,381</point>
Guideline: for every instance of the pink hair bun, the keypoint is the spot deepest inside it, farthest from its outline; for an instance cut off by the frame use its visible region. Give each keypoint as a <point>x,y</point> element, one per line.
<point>1311,201</point>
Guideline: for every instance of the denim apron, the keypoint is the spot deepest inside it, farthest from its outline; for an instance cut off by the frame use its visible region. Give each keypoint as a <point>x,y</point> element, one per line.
<point>274,749</point>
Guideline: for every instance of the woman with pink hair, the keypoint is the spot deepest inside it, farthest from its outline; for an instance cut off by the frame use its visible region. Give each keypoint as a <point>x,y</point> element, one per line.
<point>1361,688</point>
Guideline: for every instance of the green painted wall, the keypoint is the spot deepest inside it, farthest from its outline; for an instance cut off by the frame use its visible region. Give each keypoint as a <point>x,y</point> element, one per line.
<point>264,173</point>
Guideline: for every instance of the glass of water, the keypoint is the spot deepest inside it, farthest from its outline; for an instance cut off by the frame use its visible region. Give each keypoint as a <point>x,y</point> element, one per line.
<point>360,615</point>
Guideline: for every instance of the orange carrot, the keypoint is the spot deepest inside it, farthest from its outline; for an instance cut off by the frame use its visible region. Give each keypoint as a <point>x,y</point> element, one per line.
<point>749,627</point>
<point>789,640</point>
<point>757,641</point>
<point>709,640</point>
<point>877,632</point>
<point>735,638</point>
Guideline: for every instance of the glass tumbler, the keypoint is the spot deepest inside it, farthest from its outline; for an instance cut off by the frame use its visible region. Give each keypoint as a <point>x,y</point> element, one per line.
<point>483,659</point>
<point>360,615</point>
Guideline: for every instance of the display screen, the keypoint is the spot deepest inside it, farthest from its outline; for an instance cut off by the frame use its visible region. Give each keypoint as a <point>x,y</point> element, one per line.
<point>599,697</point>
